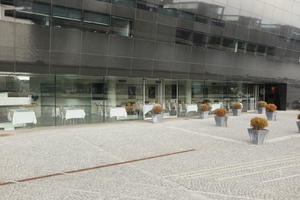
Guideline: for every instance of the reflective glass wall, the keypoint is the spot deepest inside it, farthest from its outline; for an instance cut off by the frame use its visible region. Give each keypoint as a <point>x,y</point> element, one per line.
<point>28,100</point>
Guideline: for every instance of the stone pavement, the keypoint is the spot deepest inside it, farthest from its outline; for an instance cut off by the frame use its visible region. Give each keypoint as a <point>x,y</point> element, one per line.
<point>223,165</point>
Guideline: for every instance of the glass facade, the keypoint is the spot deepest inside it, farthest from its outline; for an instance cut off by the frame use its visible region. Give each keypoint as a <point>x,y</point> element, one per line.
<point>43,100</point>
<point>97,55</point>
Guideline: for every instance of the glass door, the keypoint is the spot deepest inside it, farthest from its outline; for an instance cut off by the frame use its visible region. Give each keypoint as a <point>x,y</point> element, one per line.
<point>170,98</point>
<point>152,95</point>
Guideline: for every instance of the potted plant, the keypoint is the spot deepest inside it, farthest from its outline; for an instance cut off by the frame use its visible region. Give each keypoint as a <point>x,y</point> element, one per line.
<point>298,122</point>
<point>204,109</point>
<point>271,111</point>
<point>258,132</point>
<point>157,113</point>
<point>236,108</point>
<point>221,117</point>
<point>261,107</point>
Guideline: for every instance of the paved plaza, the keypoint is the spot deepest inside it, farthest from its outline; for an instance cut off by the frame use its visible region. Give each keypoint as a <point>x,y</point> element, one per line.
<point>184,159</point>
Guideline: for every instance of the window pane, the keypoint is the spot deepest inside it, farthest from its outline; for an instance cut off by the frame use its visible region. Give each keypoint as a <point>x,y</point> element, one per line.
<point>184,36</point>
<point>201,19</point>
<point>64,12</point>
<point>228,43</point>
<point>146,6</point>
<point>251,48</point>
<point>33,7</point>
<point>121,26</point>
<point>241,46</point>
<point>96,18</point>
<point>261,49</point>
<point>214,42</point>
<point>271,51</point>
<point>200,39</point>
<point>128,3</point>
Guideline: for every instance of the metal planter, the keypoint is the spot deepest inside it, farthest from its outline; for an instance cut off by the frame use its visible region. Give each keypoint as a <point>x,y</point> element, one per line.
<point>261,110</point>
<point>204,114</point>
<point>236,112</point>
<point>156,118</point>
<point>257,136</point>
<point>298,124</point>
<point>221,121</point>
<point>271,116</point>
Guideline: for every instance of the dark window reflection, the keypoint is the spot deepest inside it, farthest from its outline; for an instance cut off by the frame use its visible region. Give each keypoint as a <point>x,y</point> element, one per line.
<point>184,36</point>
<point>241,46</point>
<point>261,49</point>
<point>201,19</point>
<point>7,2</point>
<point>96,18</point>
<point>128,3</point>
<point>121,26</point>
<point>33,7</point>
<point>147,6</point>
<point>216,22</point>
<point>68,13</point>
<point>200,39</point>
<point>214,42</point>
<point>251,48</point>
<point>271,51</point>
<point>228,43</point>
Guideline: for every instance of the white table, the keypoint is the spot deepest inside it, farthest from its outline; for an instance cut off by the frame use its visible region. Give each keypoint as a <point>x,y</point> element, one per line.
<point>118,112</point>
<point>74,113</point>
<point>21,116</point>
<point>191,108</point>
<point>147,108</point>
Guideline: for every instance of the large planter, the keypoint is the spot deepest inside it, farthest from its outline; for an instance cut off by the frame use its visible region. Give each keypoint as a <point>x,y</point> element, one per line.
<point>257,136</point>
<point>261,110</point>
<point>204,114</point>
<point>156,118</point>
<point>221,121</point>
<point>236,112</point>
<point>271,116</point>
<point>298,124</point>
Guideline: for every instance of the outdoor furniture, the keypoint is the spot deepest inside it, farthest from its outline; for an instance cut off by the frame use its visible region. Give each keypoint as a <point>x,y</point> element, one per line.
<point>21,116</point>
<point>191,108</point>
<point>73,114</point>
<point>147,108</point>
<point>119,112</point>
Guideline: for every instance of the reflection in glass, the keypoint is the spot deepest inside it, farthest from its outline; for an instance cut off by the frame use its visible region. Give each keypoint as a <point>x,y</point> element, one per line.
<point>121,26</point>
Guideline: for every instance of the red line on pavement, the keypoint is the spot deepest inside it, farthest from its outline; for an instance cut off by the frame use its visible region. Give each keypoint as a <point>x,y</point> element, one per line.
<point>93,168</point>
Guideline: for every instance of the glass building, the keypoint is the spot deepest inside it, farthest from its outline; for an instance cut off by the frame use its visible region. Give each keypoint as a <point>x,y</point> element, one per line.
<point>91,61</point>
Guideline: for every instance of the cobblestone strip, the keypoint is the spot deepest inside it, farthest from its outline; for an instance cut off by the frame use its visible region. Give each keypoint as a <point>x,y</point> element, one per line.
<point>93,168</point>
<point>234,168</point>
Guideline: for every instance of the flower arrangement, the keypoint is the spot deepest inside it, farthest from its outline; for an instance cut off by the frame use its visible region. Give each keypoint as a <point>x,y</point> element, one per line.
<point>261,104</point>
<point>236,105</point>
<point>203,107</point>
<point>271,107</point>
<point>220,112</point>
<point>157,109</point>
<point>298,117</point>
<point>258,123</point>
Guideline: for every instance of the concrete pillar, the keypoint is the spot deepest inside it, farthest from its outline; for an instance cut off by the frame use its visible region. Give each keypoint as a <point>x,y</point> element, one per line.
<point>111,93</point>
<point>188,91</point>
